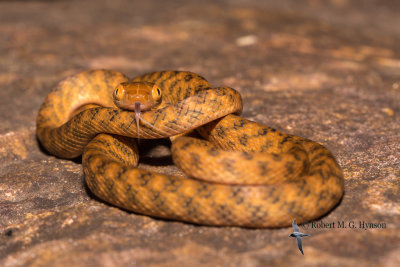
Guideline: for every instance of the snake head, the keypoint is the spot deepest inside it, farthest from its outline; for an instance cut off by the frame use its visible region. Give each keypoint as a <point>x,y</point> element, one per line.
<point>127,95</point>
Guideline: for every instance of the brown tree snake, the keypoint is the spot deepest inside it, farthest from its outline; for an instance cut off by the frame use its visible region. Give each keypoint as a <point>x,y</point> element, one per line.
<point>241,173</point>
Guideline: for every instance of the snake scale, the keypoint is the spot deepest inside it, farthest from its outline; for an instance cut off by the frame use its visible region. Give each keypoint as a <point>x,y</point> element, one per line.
<point>247,174</point>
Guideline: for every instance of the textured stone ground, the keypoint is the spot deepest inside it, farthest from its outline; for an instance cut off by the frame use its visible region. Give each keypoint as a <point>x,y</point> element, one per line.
<point>325,70</point>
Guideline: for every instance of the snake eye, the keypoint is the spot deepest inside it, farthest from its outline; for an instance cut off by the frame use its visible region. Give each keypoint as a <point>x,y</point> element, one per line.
<point>118,93</point>
<point>156,93</point>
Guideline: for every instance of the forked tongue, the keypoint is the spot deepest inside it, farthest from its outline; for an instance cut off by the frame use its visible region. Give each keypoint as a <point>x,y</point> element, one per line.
<point>137,117</point>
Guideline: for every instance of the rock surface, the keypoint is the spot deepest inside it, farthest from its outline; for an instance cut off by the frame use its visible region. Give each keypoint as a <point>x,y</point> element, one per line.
<point>325,70</point>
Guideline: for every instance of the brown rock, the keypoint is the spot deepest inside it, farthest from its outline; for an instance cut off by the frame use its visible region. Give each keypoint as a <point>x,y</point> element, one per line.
<point>326,70</point>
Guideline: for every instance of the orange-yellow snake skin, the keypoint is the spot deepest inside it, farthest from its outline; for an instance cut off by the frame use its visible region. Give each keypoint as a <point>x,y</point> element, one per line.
<point>247,174</point>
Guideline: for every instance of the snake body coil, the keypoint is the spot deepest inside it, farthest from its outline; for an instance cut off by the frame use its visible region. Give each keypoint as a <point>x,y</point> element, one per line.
<point>247,174</point>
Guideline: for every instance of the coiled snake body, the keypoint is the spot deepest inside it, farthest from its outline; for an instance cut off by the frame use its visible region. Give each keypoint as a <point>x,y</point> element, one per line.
<point>247,174</point>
